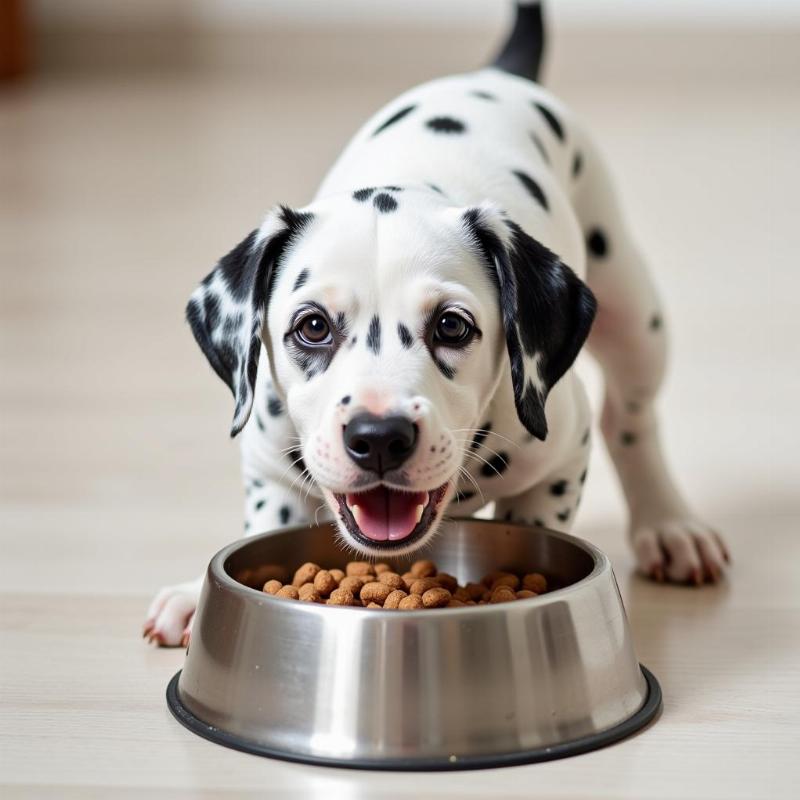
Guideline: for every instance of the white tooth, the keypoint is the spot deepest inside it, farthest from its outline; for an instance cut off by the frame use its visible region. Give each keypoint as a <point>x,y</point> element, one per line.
<point>356,511</point>
<point>419,510</point>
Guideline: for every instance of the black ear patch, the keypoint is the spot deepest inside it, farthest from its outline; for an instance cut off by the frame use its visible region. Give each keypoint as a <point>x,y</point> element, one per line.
<point>227,311</point>
<point>547,311</point>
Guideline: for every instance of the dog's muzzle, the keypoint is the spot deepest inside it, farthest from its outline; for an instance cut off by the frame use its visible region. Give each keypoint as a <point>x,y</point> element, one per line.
<point>384,513</point>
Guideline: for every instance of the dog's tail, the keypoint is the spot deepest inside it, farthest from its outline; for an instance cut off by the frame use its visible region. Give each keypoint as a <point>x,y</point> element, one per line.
<point>522,53</point>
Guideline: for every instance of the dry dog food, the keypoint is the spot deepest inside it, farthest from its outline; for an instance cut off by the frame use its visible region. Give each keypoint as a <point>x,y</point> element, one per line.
<point>423,586</point>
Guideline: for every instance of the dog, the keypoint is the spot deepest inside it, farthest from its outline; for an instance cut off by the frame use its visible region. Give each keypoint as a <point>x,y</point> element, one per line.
<point>402,347</point>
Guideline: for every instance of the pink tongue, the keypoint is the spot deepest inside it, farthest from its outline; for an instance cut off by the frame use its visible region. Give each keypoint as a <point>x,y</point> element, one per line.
<point>385,513</point>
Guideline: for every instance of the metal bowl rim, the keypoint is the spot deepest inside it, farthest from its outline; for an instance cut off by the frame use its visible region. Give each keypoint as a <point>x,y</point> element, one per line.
<point>218,574</point>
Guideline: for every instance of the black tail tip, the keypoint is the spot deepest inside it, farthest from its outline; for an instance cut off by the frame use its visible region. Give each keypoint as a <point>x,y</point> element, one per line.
<point>523,50</point>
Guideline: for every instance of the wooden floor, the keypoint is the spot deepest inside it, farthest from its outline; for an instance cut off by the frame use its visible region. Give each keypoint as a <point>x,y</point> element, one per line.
<point>120,188</point>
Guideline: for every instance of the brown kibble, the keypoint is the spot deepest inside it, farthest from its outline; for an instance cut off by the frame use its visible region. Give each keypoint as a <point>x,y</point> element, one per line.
<point>291,592</point>
<point>447,581</point>
<point>382,566</point>
<point>524,594</point>
<point>394,598</point>
<point>361,568</point>
<point>490,577</point>
<point>535,582</point>
<point>305,574</point>
<point>455,603</point>
<point>324,582</point>
<point>423,569</point>
<point>409,602</point>
<point>352,583</point>
<point>392,580</point>
<point>272,587</point>
<point>375,592</point>
<point>436,597</point>
<point>341,597</point>
<point>512,581</point>
<point>408,579</point>
<point>337,575</point>
<point>475,590</point>
<point>308,593</point>
<point>462,594</point>
<point>374,605</point>
<point>487,595</point>
<point>421,585</point>
<point>502,594</point>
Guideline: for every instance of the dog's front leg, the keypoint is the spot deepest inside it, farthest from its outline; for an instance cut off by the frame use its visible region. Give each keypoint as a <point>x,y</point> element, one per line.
<point>553,502</point>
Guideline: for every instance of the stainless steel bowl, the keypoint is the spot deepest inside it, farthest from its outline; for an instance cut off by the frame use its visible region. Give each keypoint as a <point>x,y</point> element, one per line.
<point>479,686</point>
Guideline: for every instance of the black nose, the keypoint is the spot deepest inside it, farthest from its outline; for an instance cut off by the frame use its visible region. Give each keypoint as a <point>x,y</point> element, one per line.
<point>379,443</point>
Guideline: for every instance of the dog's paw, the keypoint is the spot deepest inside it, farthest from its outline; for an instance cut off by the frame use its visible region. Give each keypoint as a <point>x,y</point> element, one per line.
<point>680,551</point>
<point>170,616</point>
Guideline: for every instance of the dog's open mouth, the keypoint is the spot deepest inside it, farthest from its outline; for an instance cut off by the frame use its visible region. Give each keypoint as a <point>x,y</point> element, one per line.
<point>389,516</point>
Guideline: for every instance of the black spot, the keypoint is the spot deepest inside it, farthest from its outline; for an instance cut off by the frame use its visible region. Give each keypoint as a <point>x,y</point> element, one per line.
<point>596,242</point>
<point>577,165</point>
<point>533,188</point>
<point>582,478</point>
<point>479,93</point>
<point>394,118</point>
<point>259,505</point>
<point>260,422</point>
<point>211,309</point>
<point>462,497</point>
<point>384,203</point>
<point>232,325</point>
<point>480,436</point>
<point>353,341</point>
<point>246,526</point>
<point>558,488</point>
<point>445,369</point>
<point>301,279</point>
<point>406,339</point>
<point>509,515</point>
<point>374,335</point>
<point>538,523</point>
<point>393,188</point>
<point>540,147</point>
<point>446,125</point>
<point>257,483</point>
<point>297,460</point>
<point>284,513</point>
<point>564,515</point>
<point>551,120</point>
<point>433,449</point>
<point>628,438</point>
<point>274,406</point>
<point>585,438</point>
<point>435,188</point>
<point>362,195</point>
<point>496,465</point>
<point>345,400</point>
<point>656,322</point>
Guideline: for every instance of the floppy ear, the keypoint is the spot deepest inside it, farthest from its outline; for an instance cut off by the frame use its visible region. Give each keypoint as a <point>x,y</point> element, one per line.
<point>227,311</point>
<point>546,309</point>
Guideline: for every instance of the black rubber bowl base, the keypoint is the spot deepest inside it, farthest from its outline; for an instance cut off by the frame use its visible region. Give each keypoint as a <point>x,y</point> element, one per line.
<point>634,723</point>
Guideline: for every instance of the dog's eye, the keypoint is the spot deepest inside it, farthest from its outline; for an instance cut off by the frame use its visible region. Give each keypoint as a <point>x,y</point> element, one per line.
<point>452,329</point>
<point>314,330</point>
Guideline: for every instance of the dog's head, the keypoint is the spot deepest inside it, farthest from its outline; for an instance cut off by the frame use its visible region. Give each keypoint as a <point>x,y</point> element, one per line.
<point>389,317</point>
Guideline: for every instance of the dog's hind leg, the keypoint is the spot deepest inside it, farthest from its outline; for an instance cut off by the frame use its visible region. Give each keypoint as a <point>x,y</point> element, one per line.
<point>629,339</point>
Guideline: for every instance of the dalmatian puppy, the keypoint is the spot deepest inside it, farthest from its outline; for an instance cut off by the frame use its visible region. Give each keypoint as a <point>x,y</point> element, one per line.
<point>401,348</point>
